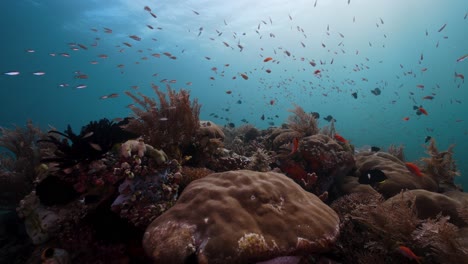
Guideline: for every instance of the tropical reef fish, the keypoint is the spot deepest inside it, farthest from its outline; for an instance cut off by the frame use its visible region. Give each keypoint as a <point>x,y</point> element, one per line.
<point>462,58</point>
<point>339,138</point>
<point>442,28</point>
<point>413,168</point>
<point>12,73</point>
<point>427,139</point>
<point>407,252</point>
<point>112,95</point>
<point>376,91</point>
<point>329,118</point>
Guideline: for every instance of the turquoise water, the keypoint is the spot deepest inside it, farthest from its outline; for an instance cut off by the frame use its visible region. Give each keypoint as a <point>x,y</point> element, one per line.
<point>367,41</point>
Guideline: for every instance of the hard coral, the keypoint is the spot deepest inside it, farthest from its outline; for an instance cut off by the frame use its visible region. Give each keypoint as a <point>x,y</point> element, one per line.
<point>325,157</point>
<point>241,217</point>
<point>399,177</point>
<point>169,124</point>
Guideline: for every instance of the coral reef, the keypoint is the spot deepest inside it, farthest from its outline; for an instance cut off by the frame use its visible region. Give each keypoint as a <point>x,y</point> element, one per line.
<point>381,226</point>
<point>431,205</point>
<point>303,123</point>
<point>233,195</point>
<point>19,163</point>
<point>265,216</point>
<point>397,151</point>
<point>170,124</point>
<point>441,165</point>
<point>94,140</point>
<point>399,177</point>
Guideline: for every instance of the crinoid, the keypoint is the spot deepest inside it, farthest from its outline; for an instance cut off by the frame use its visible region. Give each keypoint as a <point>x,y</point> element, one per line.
<point>95,139</point>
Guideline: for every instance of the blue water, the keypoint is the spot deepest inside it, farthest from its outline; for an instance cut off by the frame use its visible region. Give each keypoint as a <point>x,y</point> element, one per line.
<point>369,49</point>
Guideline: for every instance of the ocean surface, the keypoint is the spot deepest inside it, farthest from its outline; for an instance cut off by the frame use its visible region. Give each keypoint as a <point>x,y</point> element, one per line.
<point>70,62</point>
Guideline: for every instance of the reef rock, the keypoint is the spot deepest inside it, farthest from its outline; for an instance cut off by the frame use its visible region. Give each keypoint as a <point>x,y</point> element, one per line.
<point>241,217</point>
<point>398,177</point>
<point>327,158</point>
<point>429,205</point>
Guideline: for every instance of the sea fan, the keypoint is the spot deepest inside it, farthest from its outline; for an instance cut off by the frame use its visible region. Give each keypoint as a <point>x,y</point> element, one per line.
<point>18,163</point>
<point>168,124</point>
<point>302,122</point>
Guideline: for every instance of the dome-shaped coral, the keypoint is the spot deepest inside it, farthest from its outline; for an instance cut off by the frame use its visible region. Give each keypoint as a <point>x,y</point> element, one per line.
<point>398,175</point>
<point>241,217</point>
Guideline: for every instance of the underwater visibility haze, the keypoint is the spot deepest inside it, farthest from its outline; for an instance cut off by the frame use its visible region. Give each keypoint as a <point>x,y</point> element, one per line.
<point>383,74</point>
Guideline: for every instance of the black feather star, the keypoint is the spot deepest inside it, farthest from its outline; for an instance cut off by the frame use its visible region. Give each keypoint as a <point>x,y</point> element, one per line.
<point>95,140</point>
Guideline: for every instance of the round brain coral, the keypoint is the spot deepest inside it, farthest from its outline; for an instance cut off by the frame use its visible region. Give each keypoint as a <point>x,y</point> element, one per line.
<point>241,217</point>
<point>399,177</point>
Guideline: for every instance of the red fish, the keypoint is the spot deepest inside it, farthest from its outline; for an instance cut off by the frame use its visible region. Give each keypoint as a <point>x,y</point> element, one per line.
<point>295,145</point>
<point>413,169</point>
<point>317,72</point>
<point>244,76</point>
<point>406,118</point>
<point>423,111</point>
<point>267,59</point>
<point>340,138</point>
<point>407,252</point>
<point>459,75</point>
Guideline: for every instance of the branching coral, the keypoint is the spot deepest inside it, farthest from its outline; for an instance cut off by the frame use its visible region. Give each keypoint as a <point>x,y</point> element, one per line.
<point>18,163</point>
<point>169,124</point>
<point>441,165</point>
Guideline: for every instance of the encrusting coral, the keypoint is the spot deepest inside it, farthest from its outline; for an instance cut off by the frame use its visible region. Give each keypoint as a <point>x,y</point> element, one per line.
<point>241,217</point>
<point>170,124</point>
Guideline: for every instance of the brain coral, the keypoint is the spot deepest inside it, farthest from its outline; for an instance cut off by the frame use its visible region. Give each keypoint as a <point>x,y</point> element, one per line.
<point>399,177</point>
<point>241,217</point>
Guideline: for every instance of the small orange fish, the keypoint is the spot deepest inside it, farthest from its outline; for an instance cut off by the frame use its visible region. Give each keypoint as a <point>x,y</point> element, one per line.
<point>407,252</point>
<point>423,111</point>
<point>459,75</point>
<point>244,76</point>
<point>405,118</point>
<point>413,169</point>
<point>340,138</point>
<point>295,145</point>
<point>267,59</point>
